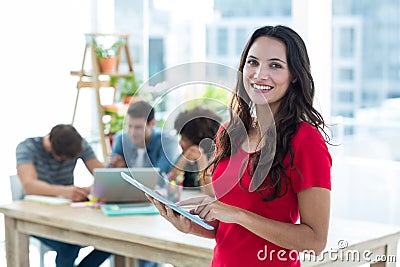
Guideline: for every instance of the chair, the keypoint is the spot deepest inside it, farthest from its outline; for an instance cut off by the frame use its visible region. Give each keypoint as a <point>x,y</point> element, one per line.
<point>17,193</point>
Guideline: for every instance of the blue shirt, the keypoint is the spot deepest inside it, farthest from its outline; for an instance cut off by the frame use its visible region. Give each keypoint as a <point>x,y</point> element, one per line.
<point>161,151</point>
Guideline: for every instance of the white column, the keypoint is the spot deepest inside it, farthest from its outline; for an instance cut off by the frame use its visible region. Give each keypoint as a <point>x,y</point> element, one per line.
<point>145,38</point>
<point>312,19</point>
<point>105,16</point>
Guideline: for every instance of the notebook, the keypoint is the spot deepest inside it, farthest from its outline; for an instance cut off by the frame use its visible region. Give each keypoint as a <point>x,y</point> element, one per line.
<point>129,209</point>
<point>109,188</point>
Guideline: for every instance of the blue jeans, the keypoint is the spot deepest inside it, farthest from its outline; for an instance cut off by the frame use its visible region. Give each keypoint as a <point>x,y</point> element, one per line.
<point>67,253</point>
<point>144,263</point>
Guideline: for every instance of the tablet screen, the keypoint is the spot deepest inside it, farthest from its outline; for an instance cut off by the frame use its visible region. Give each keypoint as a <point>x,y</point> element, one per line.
<point>165,201</point>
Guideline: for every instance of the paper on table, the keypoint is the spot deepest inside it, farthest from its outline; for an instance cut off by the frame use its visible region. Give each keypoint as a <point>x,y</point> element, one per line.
<point>48,199</point>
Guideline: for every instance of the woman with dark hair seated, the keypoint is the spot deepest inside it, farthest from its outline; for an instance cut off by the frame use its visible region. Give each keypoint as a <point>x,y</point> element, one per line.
<point>197,129</point>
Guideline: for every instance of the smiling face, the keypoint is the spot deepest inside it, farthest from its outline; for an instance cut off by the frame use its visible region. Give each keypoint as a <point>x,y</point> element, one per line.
<point>140,130</point>
<point>266,74</point>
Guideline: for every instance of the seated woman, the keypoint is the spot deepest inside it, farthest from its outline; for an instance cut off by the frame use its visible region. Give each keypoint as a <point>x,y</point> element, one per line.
<point>197,129</point>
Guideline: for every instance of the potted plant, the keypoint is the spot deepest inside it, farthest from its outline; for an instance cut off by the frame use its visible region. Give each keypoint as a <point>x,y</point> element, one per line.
<point>107,53</point>
<point>128,88</point>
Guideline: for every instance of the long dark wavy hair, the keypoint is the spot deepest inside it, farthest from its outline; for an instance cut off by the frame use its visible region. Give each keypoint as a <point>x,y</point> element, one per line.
<point>199,125</point>
<point>296,106</point>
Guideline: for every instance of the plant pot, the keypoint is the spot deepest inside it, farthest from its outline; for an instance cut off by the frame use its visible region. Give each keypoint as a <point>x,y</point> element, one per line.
<point>129,99</point>
<point>108,64</point>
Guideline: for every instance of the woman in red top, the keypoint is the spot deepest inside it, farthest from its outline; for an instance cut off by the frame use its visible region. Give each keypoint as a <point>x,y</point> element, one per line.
<point>271,171</point>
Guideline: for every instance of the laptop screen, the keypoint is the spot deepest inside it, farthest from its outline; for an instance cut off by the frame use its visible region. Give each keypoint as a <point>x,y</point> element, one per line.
<point>108,187</point>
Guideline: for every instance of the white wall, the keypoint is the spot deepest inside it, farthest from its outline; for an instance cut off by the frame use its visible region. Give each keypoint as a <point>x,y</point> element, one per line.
<point>40,42</point>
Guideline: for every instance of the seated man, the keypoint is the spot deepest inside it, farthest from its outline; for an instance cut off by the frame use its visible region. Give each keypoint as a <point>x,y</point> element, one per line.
<point>143,145</point>
<point>45,166</point>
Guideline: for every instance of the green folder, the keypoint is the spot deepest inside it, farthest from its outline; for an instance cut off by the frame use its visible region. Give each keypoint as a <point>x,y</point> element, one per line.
<point>128,209</point>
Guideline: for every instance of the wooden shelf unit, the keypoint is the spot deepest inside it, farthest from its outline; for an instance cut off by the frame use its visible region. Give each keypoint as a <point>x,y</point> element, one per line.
<point>91,78</point>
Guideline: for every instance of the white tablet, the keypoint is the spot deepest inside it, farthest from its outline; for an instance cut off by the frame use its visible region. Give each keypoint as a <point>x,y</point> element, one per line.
<point>165,201</point>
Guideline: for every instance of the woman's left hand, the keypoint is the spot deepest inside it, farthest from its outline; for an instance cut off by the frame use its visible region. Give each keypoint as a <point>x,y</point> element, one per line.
<point>210,209</point>
<point>179,221</point>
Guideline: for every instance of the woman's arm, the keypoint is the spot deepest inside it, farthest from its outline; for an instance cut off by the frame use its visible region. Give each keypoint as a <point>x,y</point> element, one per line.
<point>206,184</point>
<point>196,154</point>
<point>310,234</point>
<point>193,154</point>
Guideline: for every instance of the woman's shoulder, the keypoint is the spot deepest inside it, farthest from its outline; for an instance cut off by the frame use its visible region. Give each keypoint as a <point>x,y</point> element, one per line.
<point>306,132</point>
<point>305,127</point>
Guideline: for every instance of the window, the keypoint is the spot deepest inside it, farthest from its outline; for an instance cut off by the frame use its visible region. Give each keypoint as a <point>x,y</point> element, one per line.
<point>347,42</point>
<point>241,37</point>
<point>346,74</point>
<point>346,96</point>
<point>222,41</point>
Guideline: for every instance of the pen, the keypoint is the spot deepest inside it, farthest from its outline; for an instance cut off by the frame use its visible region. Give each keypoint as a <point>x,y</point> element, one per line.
<point>85,204</point>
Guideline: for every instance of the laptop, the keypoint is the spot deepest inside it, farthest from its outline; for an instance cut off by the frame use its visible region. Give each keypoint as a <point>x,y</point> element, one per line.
<point>109,188</point>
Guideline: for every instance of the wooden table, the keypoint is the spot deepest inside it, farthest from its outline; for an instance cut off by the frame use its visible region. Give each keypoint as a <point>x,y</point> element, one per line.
<point>148,237</point>
<point>153,238</point>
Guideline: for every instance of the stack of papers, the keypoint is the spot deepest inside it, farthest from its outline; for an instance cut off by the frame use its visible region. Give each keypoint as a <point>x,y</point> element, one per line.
<point>48,199</point>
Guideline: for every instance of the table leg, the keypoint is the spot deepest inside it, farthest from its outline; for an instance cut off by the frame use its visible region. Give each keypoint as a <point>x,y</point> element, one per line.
<point>122,261</point>
<point>390,254</point>
<point>378,264</point>
<point>17,244</point>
